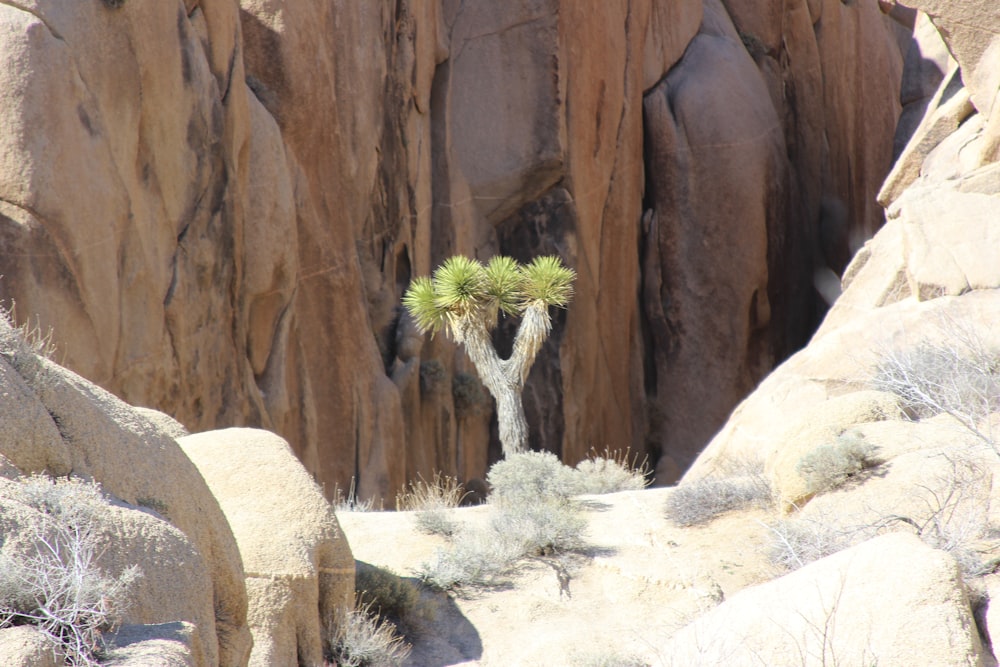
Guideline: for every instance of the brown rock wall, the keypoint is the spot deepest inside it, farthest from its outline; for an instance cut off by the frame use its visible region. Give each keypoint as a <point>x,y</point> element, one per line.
<point>217,205</point>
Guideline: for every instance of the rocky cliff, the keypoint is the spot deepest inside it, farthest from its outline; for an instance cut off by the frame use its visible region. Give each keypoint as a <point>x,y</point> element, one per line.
<point>217,205</point>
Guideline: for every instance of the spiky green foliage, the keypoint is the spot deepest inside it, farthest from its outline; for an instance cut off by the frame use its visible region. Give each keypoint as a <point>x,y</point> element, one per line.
<point>504,284</point>
<point>548,281</point>
<point>462,288</point>
<point>421,301</point>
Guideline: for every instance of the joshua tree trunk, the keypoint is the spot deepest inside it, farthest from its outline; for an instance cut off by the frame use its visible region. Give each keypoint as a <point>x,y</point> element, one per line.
<point>511,420</point>
<point>505,378</point>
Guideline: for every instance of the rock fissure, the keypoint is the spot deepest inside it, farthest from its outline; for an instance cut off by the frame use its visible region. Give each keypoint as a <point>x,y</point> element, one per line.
<point>37,14</point>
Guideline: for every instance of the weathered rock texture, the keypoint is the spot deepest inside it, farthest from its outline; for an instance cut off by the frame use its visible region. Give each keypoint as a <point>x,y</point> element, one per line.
<point>164,518</point>
<point>217,205</point>
<point>299,567</point>
<point>930,276</point>
<point>856,607</point>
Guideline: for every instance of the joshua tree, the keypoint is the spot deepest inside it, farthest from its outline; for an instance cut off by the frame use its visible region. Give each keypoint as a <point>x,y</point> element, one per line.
<point>466,297</point>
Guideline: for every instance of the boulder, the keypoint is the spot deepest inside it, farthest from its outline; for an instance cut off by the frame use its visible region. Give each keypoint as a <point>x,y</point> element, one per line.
<point>819,426</point>
<point>299,567</point>
<point>163,645</point>
<point>25,646</point>
<point>174,582</point>
<point>822,372</point>
<point>926,63</point>
<point>695,145</point>
<point>970,29</point>
<point>892,600</point>
<point>195,572</point>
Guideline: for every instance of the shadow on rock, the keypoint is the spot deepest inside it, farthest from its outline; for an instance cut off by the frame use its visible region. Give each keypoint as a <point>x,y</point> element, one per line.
<point>446,637</point>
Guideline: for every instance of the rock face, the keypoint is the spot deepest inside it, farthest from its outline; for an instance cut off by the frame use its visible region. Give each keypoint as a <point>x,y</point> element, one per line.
<point>164,518</point>
<point>838,614</point>
<point>919,306</point>
<point>299,567</point>
<point>217,205</point>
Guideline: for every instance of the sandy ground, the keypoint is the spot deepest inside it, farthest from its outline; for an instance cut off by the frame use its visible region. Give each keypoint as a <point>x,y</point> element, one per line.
<point>638,581</point>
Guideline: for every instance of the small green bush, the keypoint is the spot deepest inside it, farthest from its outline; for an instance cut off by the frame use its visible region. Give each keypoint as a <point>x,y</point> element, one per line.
<point>476,559</point>
<point>350,502</point>
<point>532,515</point>
<point>541,528</point>
<point>533,475</point>
<point>833,465</point>
<point>390,595</point>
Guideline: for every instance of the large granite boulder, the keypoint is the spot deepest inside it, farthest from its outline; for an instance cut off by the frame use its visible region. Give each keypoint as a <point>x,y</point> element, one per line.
<point>891,600</point>
<point>164,517</point>
<point>299,567</point>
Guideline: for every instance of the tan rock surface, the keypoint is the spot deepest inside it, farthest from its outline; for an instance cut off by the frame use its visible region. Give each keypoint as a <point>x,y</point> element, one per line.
<point>644,579</point>
<point>104,439</point>
<point>857,606</point>
<point>24,646</point>
<point>175,583</point>
<point>299,567</point>
<point>165,645</point>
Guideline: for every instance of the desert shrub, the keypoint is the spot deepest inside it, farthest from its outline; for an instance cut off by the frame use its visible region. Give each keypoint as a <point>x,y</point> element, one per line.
<point>958,375</point>
<point>395,599</point>
<point>361,638</point>
<point>832,465</point>
<point>798,542</point>
<point>947,515</point>
<point>60,587</point>
<point>530,476</point>
<point>433,502</point>
<point>540,528</point>
<point>26,345</point>
<point>388,594</point>
<point>950,514</point>
<point>349,502</point>
<point>609,657</point>
<point>534,475</point>
<point>532,515</point>
<point>609,473</point>
<point>701,501</point>
<point>470,396</point>
<point>476,559</point>
<point>433,375</point>
<point>516,530</point>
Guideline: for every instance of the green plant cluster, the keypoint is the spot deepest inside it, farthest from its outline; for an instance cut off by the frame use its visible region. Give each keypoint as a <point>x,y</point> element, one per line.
<point>463,288</point>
